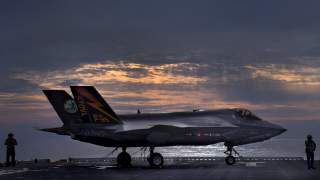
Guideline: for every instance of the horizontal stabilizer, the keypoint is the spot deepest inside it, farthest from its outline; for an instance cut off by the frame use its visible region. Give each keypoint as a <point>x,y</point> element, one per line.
<point>57,130</point>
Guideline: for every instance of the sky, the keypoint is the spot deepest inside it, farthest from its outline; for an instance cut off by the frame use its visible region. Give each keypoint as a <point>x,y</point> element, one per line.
<point>158,56</point>
<point>161,56</point>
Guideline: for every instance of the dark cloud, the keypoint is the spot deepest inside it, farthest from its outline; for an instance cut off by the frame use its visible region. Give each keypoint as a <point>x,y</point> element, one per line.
<point>42,38</point>
<point>38,34</point>
<point>262,91</point>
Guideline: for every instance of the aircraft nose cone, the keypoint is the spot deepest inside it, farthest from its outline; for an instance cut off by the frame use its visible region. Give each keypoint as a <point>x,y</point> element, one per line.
<point>282,130</point>
<point>275,130</point>
<point>279,130</point>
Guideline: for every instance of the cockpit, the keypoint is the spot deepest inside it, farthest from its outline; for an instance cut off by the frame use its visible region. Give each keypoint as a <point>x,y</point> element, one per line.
<point>246,114</point>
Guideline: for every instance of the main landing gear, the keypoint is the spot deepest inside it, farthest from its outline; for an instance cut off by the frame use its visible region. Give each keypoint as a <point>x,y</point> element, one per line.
<point>155,159</point>
<point>230,159</point>
<point>124,158</point>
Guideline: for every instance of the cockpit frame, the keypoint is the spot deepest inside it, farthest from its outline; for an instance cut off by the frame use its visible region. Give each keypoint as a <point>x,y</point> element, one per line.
<point>246,114</point>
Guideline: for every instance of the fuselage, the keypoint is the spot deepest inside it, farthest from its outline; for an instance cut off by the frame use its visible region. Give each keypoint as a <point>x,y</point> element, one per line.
<point>87,117</point>
<point>235,126</point>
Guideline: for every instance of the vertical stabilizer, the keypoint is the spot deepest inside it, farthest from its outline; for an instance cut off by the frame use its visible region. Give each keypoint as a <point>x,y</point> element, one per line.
<point>64,105</point>
<point>92,107</point>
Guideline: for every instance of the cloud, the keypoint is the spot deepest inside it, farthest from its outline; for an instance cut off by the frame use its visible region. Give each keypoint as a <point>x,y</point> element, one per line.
<point>126,86</point>
<point>109,72</point>
<point>25,101</point>
<point>298,75</point>
<point>270,90</point>
<point>164,87</point>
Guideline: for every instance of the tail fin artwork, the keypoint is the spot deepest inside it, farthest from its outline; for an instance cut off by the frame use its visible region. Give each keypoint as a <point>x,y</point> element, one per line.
<point>64,105</point>
<point>92,107</point>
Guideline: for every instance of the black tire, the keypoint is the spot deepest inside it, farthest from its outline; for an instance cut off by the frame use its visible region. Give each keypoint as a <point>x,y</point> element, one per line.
<point>230,160</point>
<point>124,159</point>
<point>155,160</point>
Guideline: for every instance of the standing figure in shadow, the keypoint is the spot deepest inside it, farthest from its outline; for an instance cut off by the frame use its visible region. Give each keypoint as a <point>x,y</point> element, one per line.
<point>10,142</point>
<point>310,148</point>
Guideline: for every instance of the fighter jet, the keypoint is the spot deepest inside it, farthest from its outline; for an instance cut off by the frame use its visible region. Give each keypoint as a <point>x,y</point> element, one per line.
<point>87,117</point>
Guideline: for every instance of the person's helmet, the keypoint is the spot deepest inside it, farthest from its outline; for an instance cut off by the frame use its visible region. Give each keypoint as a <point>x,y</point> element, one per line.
<point>10,135</point>
<point>309,136</point>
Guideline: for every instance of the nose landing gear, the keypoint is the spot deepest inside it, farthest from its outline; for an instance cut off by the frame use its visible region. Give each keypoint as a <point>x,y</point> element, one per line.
<point>230,159</point>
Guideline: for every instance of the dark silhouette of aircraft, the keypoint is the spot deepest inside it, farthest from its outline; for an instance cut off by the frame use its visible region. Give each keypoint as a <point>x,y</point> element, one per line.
<point>88,118</point>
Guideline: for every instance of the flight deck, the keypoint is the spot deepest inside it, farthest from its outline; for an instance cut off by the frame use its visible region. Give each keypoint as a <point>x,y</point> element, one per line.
<point>246,168</point>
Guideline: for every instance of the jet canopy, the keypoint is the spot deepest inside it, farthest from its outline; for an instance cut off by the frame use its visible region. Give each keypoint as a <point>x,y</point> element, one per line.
<point>246,114</point>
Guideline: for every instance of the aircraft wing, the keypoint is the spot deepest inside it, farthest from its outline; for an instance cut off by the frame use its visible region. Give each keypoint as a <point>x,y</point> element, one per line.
<point>192,122</point>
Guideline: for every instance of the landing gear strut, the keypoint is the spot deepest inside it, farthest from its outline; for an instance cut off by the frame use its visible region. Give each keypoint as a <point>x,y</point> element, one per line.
<point>124,158</point>
<point>155,159</point>
<point>230,159</point>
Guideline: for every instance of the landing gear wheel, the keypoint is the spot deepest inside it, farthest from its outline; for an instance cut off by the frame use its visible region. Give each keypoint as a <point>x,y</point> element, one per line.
<point>124,159</point>
<point>230,160</point>
<point>155,160</point>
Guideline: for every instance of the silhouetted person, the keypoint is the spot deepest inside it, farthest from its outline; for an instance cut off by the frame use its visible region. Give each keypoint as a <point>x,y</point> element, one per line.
<point>310,148</point>
<point>10,143</point>
<point>138,111</point>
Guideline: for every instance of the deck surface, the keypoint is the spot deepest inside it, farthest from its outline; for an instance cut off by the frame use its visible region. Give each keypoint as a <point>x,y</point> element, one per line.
<point>187,168</point>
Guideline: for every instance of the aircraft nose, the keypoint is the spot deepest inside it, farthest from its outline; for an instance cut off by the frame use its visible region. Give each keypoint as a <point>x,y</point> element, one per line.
<point>278,129</point>
<point>281,130</point>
